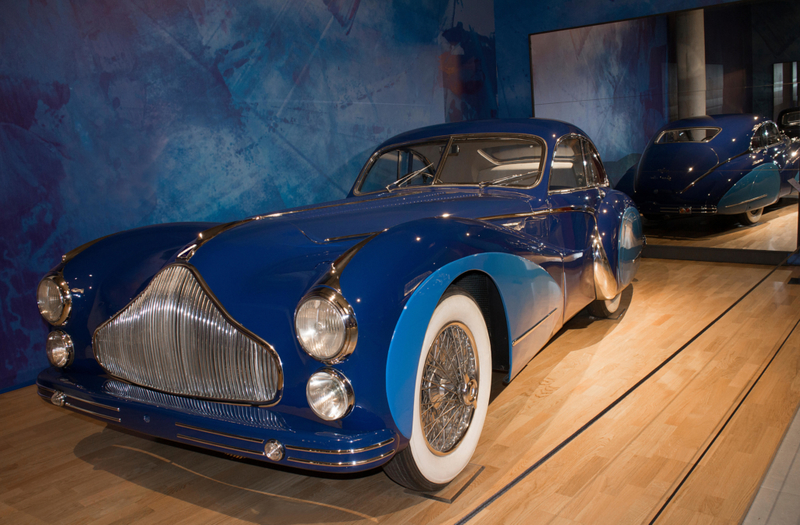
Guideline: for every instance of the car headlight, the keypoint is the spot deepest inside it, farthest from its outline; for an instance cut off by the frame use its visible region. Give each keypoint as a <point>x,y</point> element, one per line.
<point>53,299</point>
<point>326,326</point>
<point>330,394</point>
<point>60,350</point>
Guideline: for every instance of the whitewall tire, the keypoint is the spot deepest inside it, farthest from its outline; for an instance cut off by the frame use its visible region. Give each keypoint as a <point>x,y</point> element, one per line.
<point>451,396</point>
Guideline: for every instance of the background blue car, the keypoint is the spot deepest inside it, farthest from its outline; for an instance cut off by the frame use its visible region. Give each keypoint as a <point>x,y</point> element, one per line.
<point>357,333</point>
<point>725,164</point>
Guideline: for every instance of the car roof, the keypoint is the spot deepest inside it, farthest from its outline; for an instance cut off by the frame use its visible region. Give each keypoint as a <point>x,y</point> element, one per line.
<point>544,128</point>
<point>733,125</point>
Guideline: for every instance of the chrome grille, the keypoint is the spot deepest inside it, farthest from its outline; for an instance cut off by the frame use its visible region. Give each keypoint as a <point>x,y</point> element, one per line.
<point>174,338</point>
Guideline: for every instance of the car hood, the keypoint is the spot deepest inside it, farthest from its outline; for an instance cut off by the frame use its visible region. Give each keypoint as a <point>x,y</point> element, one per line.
<point>283,254</point>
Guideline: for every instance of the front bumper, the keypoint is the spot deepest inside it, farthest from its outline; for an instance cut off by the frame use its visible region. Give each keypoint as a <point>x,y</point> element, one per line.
<point>239,430</point>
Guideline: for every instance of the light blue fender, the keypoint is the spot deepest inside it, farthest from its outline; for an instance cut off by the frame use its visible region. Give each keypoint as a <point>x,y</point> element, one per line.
<point>757,189</point>
<point>528,293</point>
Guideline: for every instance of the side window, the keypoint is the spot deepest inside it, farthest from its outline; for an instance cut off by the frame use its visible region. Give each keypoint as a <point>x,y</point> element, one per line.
<point>760,137</point>
<point>595,172</point>
<point>567,171</point>
<point>773,135</point>
<point>498,161</point>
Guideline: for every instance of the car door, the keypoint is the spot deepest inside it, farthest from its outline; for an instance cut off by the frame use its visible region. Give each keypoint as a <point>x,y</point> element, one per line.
<point>574,193</point>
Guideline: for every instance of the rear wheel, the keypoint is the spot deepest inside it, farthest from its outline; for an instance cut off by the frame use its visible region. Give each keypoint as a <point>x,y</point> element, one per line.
<point>604,308</point>
<point>751,216</point>
<point>451,397</point>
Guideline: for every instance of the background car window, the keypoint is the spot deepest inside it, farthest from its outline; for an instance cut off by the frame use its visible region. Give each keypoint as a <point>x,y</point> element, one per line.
<point>395,164</point>
<point>687,135</point>
<point>568,171</point>
<point>594,168</point>
<point>792,118</point>
<point>760,137</point>
<point>511,162</point>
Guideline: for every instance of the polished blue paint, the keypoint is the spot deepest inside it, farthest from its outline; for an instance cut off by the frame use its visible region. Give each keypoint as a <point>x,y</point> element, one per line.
<point>524,286</point>
<point>401,250</point>
<point>721,173</point>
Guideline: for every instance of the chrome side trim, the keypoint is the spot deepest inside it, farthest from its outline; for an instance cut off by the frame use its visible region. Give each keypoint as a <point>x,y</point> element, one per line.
<point>748,200</point>
<point>221,434</point>
<point>338,266</point>
<point>348,237</point>
<point>344,451</point>
<point>342,463</point>
<point>573,257</point>
<point>549,211</point>
<point>91,412</point>
<point>206,235</point>
<point>694,209</point>
<point>224,447</point>
<point>532,328</point>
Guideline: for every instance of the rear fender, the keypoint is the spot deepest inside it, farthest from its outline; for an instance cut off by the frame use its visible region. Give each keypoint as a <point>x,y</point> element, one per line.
<point>617,245</point>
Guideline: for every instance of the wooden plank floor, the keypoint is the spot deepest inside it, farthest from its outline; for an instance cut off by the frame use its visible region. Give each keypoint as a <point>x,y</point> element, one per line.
<point>776,231</point>
<point>597,429</point>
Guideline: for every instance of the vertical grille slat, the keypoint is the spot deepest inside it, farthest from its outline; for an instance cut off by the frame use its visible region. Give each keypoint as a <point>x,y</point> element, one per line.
<point>174,338</point>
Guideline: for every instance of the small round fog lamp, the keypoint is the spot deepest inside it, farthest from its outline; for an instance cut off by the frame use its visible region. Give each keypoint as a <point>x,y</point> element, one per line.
<point>60,350</point>
<point>330,394</point>
<point>273,449</point>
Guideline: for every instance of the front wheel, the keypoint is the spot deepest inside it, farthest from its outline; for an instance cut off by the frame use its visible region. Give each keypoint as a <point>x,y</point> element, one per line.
<point>451,397</point>
<point>751,217</point>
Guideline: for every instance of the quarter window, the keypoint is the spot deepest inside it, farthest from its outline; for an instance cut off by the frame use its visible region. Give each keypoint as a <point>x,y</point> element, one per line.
<point>567,171</point>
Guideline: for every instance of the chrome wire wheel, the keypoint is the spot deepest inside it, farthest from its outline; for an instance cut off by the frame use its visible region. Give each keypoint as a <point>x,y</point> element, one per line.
<point>449,388</point>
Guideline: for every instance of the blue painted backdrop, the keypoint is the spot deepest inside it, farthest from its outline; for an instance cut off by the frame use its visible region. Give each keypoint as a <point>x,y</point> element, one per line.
<point>122,113</point>
<point>610,80</point>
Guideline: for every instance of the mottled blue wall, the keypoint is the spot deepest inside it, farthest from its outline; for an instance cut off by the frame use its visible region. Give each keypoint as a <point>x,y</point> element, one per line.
<point>121,113</point>
<point>610,80</point>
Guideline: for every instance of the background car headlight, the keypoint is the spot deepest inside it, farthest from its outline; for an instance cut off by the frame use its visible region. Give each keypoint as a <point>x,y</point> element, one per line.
<point>330,394</point>
<point>53,299</point>
<point>325,326</point>
<point>60,350</point>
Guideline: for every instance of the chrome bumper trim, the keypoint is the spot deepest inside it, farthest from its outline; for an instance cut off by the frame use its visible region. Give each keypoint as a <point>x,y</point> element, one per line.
<point>217,445</point>
<point>342,463</point>
<point>221,434</point>
<point>340,452</point>
<point>91,412</point>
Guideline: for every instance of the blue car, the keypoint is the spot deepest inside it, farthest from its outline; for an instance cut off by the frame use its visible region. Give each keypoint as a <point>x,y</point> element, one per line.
<point>725,164</point>
<point>354,334</point>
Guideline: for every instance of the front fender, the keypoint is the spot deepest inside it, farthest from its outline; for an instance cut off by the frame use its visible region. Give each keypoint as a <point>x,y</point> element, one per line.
<point>396,280</point>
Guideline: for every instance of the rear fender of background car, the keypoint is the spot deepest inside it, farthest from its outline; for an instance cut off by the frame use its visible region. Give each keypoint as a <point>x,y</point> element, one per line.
<point>413,264</point>
<point>761,187</point>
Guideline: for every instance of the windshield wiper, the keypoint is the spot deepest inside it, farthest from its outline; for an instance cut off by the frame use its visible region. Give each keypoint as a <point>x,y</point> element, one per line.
<point>506,179</point>
<point>403,180</point>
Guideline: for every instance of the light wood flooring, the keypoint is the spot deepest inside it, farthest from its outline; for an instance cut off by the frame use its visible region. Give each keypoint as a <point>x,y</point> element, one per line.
<point>776,231</point>
<point>670,414</point>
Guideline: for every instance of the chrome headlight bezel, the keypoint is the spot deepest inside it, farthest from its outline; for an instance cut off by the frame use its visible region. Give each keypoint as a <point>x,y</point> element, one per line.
<point>58,340</point>
<point>342,385</point>
<point>57,282</point>
<point>348,320</point>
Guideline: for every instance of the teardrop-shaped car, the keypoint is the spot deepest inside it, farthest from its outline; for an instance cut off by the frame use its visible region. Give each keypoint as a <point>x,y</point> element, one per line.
<point>724,164</point>
<point>353,334</point>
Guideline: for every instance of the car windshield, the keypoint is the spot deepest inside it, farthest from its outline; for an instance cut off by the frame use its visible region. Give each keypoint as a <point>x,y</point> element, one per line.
<point>687,135</point>
<point>497,161</point>
<point>790,118</point>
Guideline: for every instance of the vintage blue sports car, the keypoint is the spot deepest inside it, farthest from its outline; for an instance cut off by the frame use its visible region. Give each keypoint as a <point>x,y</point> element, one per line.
<point>725,164</point>
<point>353,334</point>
